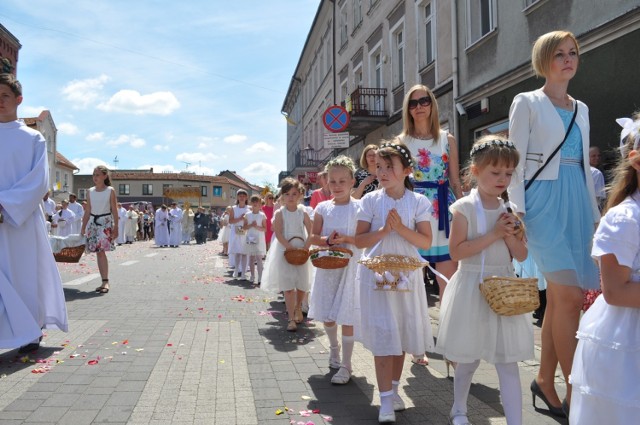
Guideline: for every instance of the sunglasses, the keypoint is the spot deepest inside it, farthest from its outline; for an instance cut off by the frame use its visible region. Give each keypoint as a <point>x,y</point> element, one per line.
<point>423,101</point>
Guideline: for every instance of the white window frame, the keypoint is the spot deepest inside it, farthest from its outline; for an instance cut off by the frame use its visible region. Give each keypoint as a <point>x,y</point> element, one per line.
<point>398,53</point>
<point>427,39</point>
<point>357,13</point>
<point>82,194</point>
<point>358,76</point>
<point>475,20</point>
<point>344,19</point>
<point>376,77</point>
<point>344,89</point>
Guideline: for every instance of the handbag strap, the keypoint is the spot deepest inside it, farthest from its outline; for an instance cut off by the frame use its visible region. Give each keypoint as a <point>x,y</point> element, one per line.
<point>573,119</point>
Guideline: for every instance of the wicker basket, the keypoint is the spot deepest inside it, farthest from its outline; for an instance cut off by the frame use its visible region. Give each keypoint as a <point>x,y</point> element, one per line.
<point>241,231</point>
<point>509,296</point>
<point>330,257</point>
<point>296,256</point>
<point>70,254</point>
<point>388,268</point>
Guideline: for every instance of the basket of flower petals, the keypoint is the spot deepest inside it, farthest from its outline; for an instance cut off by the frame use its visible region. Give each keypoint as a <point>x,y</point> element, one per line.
<point>332,257</point>
<point>392,271</point>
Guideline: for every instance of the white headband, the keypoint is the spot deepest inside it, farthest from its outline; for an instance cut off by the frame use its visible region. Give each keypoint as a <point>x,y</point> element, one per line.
<point>494,142</point>
<point>629,126</point>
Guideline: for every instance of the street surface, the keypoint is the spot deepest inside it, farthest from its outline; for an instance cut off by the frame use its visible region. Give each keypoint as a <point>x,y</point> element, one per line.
<point>177,341</point>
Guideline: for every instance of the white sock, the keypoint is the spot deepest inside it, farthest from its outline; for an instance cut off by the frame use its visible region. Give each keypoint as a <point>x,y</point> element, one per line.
<point>347,351</point>
<point>386,402</point>
<point>259,265</point>
<point>394,386</point>
<point>461,386</point>
<point>510,392</point>
<point>332,333</point>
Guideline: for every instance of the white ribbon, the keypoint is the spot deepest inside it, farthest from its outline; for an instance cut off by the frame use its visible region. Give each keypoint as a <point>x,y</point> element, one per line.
<point>629,126</point>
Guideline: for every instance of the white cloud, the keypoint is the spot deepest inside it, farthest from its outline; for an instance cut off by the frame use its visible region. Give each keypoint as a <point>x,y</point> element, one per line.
<point>197,157</point>
<point>127,139</point>
<point>132,102</point>
<point>87,165</point>
<point>68,128</point>
<point>235,139</point>
<point>83,93</point>
<point>160,148</point>
<point>95,137</point>
<point>31,111</point>
<point>262,169</point>
<point>260,147</point>
<point>203,146</point>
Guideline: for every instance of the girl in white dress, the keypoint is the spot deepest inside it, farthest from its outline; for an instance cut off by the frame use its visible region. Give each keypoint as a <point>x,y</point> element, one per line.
<point>394,220</point>
<point>237,234</point>
<point>291,226</point>
<point>484,238</point>
<point>605,374</point>
<point>255,246</point>
<point>335,295</point>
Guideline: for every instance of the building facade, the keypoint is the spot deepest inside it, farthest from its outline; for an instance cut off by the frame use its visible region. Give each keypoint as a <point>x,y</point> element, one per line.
<point>473,54</point>
<point>9,48</point>
<point>46,126</point>
<point>63,174</point>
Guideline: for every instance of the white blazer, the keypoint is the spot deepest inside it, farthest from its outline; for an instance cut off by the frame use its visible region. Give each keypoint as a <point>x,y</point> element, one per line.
<point>536,129</point>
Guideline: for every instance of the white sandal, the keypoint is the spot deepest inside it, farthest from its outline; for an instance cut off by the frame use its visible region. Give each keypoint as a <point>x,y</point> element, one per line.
<point>342,376</point>
<point>459,419</point>
<point>334,361</point>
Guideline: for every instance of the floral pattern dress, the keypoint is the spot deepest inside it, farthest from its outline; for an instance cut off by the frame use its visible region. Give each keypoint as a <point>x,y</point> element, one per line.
<point>431,179</point>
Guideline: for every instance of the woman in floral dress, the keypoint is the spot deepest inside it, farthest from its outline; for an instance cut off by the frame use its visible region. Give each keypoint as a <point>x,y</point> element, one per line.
<point>436,172</point>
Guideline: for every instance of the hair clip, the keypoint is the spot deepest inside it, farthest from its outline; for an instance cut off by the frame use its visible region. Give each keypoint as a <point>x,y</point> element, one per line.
<point>400,149</point>
<point>629,126</point>
<point>495,142</point>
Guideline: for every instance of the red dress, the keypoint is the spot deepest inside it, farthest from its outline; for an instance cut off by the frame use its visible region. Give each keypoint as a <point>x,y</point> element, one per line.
<point>268,211</point>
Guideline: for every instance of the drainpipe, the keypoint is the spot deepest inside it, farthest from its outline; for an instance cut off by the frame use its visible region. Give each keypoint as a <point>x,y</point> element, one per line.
<point>333,50</point>
<point>454,65</point>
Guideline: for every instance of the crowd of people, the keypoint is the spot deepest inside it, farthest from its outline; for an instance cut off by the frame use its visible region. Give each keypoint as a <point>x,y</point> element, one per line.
<point>535,198</point>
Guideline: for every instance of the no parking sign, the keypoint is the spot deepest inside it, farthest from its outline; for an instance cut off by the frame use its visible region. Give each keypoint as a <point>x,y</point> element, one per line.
<point>336,119</point>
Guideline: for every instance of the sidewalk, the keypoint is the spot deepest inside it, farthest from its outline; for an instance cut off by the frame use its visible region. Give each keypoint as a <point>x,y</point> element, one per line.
<point>177,342</point>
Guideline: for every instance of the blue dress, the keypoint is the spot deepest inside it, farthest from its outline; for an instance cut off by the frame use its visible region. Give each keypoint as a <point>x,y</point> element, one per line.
<point>560,220</point>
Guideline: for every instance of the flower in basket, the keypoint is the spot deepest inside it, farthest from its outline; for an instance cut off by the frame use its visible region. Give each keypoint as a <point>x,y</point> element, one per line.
<point>403,282</point>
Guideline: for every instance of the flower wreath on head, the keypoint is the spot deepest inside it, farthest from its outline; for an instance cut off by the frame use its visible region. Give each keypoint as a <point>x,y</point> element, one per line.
<point>494,142</point>
<point>404,152</point>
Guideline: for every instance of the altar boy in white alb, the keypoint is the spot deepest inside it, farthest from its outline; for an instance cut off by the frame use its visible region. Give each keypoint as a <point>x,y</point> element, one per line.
<point>31,296</point>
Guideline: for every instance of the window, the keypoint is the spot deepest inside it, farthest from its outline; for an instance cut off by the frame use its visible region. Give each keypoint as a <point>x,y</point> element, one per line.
<point>343,26</point>
<point>427,40</point>
<point>376,66</point>
<point>147,189</point>
<point>344,91</point>
<point>203,190</point>
<point>124,189</point>
<point>82,194</point>
<point>398,56</point>
<point>217,191</point>
<point>57,177</point>
<point>481,19</point>
<point>357,13</point>
<point>500,128</point>
<point>528,3</point>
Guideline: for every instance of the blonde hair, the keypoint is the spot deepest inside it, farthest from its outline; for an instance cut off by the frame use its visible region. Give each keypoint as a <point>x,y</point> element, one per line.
<point>342,161</point>
<point>625,181</point>
<point>545,47</point>
<point>408,126</point>
<point>104,170</point>
<point>363,157</point>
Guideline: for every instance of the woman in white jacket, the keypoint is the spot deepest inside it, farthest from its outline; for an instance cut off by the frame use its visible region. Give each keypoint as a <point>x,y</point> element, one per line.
<point>557,200</point>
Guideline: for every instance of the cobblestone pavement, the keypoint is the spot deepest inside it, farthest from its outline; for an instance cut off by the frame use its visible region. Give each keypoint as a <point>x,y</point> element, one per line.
<point>176,341</point>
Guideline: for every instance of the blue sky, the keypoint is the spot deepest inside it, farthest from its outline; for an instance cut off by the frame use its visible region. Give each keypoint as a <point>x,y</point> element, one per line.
<point>193,85</point>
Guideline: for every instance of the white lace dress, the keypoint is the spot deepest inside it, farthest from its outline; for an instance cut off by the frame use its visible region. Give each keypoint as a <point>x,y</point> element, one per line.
<point>236,240</point>
<point>335,295</point>
<point>606,365</point>
<point>393,322</point>
<point>255,243</point>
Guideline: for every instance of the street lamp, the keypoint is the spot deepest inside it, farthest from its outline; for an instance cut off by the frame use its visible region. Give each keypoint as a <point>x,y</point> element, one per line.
<point>308,153</point>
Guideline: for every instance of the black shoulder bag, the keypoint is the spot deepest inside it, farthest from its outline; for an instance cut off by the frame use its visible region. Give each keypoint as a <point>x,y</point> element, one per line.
<point>573,119</point>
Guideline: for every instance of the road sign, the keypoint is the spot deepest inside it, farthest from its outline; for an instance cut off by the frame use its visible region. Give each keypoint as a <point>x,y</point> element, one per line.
<point>336,119</point>
<point>336,140</point>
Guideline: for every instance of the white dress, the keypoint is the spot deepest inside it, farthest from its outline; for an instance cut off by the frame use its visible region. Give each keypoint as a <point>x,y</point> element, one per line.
<point>278,274</point>
<point>161,230</point>
<point>393,322</point>
<point>236,240</point>
<point>606,365</point>
<point>31,295</point>
<point>255,243</point>
<point>224,229</point>
<point>335,296</point>
<point>469,330</point>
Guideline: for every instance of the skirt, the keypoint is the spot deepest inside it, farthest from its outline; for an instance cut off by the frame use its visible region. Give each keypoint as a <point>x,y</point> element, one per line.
<point>99,234</point>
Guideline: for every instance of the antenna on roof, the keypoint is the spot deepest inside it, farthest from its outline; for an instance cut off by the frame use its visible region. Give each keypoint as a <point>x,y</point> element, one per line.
<point>115,162</point>
<point>186,165</point>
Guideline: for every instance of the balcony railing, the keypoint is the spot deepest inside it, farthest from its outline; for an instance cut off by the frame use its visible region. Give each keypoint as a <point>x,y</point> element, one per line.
<point>368,102</point>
